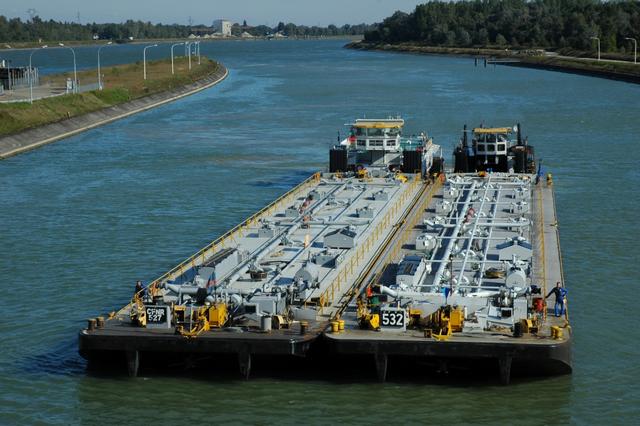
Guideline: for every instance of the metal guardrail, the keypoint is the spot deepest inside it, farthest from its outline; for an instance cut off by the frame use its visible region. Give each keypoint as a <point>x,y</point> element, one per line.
<point>393,255</point>
<point>328,295</point>
<point>386,256</point>
<point>542,251</point>
<point>555,213</point>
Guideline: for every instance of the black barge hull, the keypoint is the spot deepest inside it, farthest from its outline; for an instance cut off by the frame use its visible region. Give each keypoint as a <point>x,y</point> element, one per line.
<point>109,344</point>
<point>523,358</point>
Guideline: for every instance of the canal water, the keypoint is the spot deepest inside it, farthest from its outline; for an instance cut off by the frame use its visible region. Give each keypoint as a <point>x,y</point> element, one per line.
<point>82,219</point>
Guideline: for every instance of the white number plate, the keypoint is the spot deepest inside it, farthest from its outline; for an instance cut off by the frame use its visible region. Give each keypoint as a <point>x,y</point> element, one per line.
<point>156,315</point>
<point>393,318</point>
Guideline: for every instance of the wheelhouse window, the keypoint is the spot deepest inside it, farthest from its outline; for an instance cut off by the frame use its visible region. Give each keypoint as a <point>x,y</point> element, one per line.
<point>502,147</point>
<point>491,147</point>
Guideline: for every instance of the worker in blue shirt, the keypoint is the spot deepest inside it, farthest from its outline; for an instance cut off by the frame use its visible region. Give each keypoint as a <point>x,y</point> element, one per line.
<point>540,171</point>
<point>560,294</point>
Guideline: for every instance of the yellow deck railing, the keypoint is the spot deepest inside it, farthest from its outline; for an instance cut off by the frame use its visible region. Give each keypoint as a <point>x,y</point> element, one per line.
<point>393,255</point>
<point>542,251</point>
<point>555,213</point>
<point>328,296</point>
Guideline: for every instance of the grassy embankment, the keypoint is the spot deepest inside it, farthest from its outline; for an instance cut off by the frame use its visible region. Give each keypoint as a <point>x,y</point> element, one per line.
<point>38,44</point>
<point>626,71</point>
<point>121,83</point>
<point>416,48</point>
<point>587,66</point>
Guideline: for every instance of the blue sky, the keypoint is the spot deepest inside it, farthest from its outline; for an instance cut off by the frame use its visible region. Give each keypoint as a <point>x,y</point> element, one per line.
<point>256,12</point>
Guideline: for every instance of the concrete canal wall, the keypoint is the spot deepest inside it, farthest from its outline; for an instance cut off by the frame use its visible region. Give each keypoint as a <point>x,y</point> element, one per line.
<point>33,138</point>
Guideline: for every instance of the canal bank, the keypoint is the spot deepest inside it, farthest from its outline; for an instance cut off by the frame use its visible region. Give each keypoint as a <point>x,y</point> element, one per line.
<point>36,137</point>
<point>612,70</point>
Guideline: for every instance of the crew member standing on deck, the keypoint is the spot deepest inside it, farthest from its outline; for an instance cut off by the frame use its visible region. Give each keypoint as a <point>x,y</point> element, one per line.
<point>560,294</point>
<point>540,172</point>
<point>139,288</point>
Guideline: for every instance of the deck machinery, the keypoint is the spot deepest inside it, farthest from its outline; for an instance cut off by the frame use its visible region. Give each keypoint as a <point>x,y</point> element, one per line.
<point>379,255</point>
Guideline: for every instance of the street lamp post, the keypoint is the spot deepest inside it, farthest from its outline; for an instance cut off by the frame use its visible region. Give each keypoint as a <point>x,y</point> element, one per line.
<point>196,47</point>
<point>9,74</point>
<point>31,74</point>
<point>99,76</point>
<point>198,53</point>
<point>9,69</point>
<point>188,44</point>
<point>635,49</point>
<point>172,46</point>
<point>75,73</point>
<point>596,38</point>
<point>144,59</point>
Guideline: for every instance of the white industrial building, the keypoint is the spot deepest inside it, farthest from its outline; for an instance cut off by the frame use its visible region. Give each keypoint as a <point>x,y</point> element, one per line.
<point>222,26</point>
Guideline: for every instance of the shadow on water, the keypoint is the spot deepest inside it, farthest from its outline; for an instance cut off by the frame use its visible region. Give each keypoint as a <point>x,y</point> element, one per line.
<point>62,359</point>
<point>284,181</point>
<point>330,388</point>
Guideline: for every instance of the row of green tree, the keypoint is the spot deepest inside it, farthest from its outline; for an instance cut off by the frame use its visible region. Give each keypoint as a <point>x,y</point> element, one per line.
<point>293,30</point>
<point>515,23</point>
<point>16,30</point>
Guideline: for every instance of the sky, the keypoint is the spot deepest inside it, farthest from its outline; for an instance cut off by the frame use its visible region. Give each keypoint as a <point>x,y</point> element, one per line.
<point>256,12</point>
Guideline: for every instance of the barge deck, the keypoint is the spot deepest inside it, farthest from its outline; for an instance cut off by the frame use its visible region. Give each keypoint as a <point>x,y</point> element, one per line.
<point>293,271</point>
<point>547,350</point>
<point>382,255</point>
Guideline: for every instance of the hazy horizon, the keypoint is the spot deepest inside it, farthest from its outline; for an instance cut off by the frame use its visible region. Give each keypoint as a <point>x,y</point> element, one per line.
<point>255,12</point>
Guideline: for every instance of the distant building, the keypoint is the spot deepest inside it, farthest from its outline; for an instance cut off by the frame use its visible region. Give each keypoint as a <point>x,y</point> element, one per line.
<point>222,26</point>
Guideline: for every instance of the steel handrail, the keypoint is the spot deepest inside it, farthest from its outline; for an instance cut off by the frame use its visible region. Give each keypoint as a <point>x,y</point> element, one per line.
<point>330,290</point>
<point>399,243</point>
<point>375,235</point>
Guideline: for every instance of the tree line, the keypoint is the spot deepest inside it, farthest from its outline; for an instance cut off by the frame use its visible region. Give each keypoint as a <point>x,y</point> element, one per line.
<point>15,30</point>
<point>515,23</point>
<point>292,30</point>
<point>35,29</point>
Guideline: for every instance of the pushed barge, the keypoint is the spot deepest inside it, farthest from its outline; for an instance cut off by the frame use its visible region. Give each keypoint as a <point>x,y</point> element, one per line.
<point>381,255</point>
